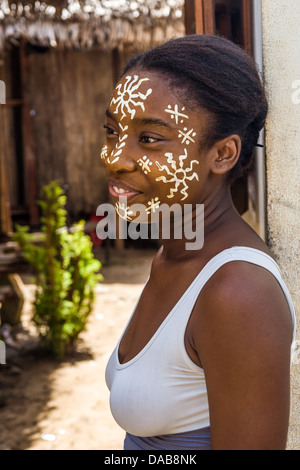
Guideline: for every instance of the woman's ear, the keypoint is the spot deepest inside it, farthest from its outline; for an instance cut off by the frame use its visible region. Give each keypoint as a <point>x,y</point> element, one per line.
<point>226,154</point>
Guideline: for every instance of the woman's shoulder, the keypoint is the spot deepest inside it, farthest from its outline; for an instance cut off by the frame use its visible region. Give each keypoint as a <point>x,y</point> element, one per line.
<point>246,296</point>
<point>244,274</point>
<point>242,307</point>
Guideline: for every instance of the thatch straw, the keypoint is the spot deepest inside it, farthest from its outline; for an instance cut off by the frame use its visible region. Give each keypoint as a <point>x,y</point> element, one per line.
<point>91,23</point>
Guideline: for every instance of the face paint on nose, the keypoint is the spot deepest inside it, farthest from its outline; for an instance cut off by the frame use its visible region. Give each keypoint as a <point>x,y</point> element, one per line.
<point>119,146</point>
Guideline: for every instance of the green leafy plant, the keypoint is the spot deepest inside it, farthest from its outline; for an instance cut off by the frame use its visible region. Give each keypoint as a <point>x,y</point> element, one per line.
<point>66,273</point>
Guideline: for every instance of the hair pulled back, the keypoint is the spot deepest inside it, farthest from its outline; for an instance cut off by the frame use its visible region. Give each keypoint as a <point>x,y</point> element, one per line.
<point>219,76</point>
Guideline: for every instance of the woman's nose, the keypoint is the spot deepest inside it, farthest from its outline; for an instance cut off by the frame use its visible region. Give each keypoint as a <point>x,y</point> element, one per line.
<point>120,158</point>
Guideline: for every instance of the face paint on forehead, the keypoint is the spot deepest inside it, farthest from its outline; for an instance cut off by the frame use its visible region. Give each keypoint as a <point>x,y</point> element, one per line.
<point>176,114</point>
<point>127,96</point>
<point>186,136</point>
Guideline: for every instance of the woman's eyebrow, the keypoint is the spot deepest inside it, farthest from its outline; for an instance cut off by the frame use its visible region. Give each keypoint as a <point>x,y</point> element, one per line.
<point>109,114</point>
<point>154,122</point>
<point>144,121</point>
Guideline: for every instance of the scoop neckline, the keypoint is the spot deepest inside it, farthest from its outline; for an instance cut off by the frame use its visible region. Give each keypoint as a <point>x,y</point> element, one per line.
<point>214,259</point>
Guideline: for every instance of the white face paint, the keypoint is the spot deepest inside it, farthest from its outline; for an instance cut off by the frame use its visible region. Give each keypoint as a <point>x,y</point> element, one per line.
<point>124,211</point>
<point>186,136</point>
<point>103,154</point>
<point>125,102</point>
<point>175,114</point>
<point>177,174</point>
<point>119,146</point>
<point>153,205</point>
<point>145,163</point>
<point>127,96</point>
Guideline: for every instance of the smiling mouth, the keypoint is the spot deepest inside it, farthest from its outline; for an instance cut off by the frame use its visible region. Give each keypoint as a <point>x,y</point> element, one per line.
<point>118,191</point>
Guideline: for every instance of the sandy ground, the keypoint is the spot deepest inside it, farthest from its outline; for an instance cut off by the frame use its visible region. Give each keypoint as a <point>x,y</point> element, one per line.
<point>50,405</point>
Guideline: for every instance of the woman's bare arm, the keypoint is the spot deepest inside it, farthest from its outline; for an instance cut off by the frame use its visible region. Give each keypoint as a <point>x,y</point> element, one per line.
<point>242,332</point>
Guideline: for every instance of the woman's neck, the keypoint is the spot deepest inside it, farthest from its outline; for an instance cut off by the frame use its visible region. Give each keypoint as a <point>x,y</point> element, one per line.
<point>218,212</point>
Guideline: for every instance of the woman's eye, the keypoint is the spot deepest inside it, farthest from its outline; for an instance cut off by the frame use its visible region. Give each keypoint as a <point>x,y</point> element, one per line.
<point>147,139</point>
<point>110,131</point>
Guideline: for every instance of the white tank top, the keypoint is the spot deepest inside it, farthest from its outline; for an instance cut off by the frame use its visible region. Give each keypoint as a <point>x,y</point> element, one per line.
<point>161,390</point>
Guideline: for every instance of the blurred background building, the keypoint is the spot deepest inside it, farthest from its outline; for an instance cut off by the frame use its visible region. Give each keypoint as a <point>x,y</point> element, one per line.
<point>60,60</point>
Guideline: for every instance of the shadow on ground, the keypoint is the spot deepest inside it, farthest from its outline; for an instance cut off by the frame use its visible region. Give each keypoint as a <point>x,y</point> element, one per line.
<point>51,405</point>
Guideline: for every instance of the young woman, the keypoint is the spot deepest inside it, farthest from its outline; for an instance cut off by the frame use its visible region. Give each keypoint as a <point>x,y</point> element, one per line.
<point>204,361</point>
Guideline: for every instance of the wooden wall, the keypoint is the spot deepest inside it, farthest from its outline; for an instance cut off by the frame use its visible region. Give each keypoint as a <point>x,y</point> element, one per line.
<point>10,140</point>
<point>69,92</point>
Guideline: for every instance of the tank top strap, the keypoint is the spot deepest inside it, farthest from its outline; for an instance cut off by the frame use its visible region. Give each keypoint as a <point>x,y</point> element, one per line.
<point>241,253</point>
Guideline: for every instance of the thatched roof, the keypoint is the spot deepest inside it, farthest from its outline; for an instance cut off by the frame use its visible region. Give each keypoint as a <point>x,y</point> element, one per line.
<point>85,24</point>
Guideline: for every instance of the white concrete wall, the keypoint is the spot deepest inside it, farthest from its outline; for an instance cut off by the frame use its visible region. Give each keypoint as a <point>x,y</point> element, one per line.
<point>281,53</point>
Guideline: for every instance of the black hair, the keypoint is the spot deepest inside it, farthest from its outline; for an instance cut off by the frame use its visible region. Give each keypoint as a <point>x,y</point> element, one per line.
<point>219,77</point>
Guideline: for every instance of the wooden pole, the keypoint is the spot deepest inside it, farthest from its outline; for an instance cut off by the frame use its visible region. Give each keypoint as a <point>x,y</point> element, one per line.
<point>28,136</point>
<point>247,26</point>
<point>209,16</point>
<point>199,19</point>
<point>5,216</point>
<point>204,16</point>
<point>189,17</point>
<point>5,212</point>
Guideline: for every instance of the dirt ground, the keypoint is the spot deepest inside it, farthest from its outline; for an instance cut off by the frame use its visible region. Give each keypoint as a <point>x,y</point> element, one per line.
<point>51,405</point>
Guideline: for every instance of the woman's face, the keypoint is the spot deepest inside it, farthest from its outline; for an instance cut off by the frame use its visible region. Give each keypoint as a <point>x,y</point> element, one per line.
<point>151,154</point>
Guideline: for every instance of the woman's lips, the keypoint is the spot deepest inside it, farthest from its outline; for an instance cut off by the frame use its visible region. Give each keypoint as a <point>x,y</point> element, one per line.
<point>118,190</point>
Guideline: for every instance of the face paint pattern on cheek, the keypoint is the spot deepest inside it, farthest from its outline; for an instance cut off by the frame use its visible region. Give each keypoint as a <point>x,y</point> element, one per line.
<point>124,211</point>
<point>145,163</point>
<point>177,173</point>
<point>153,205</point>
<point>127,96</point>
